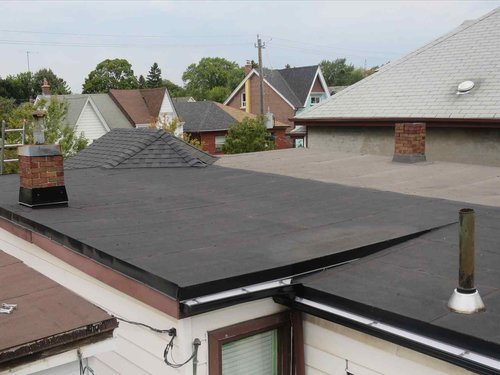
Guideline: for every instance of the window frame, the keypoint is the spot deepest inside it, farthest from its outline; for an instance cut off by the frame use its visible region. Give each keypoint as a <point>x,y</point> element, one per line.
<point>220,144</point>
<point>243,100</point>
<point>235,332</point>
<point>315,97</point>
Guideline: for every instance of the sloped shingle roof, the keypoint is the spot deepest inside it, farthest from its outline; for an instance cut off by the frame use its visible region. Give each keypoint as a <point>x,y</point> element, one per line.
<point>211,116</point>
<point>108,109</point>
<point>424,83</point>
<point>139,148</point>
<point>140,106</point>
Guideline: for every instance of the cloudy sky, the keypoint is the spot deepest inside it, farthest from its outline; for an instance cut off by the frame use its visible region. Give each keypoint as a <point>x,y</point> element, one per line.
<point>72,37</point>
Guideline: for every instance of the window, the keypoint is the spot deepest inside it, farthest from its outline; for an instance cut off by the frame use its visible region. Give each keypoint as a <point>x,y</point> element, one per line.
<point>259,346</point>
<point>219,142</point>
<point>243,100</point>
<point>315,100</point>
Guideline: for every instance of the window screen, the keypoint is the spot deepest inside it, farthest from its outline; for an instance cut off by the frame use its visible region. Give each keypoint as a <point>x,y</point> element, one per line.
<point>253,355</point>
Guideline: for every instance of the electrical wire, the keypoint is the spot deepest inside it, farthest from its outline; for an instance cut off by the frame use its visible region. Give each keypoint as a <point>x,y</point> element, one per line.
<point>85,368</point>
<point>170,331</point>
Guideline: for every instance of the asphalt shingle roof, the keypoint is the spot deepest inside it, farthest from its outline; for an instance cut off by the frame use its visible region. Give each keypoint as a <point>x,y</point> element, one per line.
<point>139,148</point>
<point>424,83</point>
<point>299,80</point>
<point>203,116</point>
<point>141,106</point>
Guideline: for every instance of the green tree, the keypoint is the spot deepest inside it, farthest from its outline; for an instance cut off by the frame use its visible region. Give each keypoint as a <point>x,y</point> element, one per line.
<point>153,79</point>
<point>174,90</point>
<point>18,87</point>
<point>142,82</point>
<point>56,128</point>
<point>209,73</point>
<point>110,74</point>
<point>249,135</point>
<point>339,73</point>
<point>58,86</point>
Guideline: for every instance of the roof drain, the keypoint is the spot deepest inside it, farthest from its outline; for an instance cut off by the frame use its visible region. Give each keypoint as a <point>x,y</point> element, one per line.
<point>466,299</point>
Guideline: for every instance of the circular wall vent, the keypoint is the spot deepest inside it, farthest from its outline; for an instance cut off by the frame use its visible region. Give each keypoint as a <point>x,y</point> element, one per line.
<point>465,86</point>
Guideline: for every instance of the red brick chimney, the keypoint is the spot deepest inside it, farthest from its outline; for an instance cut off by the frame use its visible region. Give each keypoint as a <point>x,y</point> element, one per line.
<point>409,142</point>
<point>42,176</point>
<point>248,67</point>
<point>45,88</point>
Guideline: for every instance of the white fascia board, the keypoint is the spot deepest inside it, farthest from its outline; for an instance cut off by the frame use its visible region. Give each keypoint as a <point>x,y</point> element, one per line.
<point>167,94</point>
<point>408,335</point>
<point>235,91</point>
<point>277,92</point>
<point>81,112</point>
<point>98,113</point>
<point>323,82</point>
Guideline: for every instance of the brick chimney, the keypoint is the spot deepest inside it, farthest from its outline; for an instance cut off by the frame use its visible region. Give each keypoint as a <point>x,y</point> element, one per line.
<point>248,67</point>
<point>409,142</point>
<point>45,88</point>
<point>42,176</point>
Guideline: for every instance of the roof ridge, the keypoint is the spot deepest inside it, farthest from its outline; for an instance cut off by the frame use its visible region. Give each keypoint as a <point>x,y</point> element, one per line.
<point>399,61</point>
<point>171,140</point>
<point>156,135</point>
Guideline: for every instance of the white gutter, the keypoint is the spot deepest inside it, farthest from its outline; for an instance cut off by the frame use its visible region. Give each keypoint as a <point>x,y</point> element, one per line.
<point>408,335</point>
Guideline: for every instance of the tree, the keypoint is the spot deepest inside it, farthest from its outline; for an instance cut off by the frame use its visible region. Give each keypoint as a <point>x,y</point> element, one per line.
<point>142,82</point>
<point>110,74</point>
<point>209,73</point>
<point>339,73</point>
<point>56,128</point>
<point>173,89</point>
<point>249,135</point>
<point>153,79</point>
<point>58,86</point>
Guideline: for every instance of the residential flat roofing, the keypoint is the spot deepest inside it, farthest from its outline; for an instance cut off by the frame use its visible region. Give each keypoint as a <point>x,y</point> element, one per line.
<point>194,231</point>
<point>48,316</point>
<point>424,84</point>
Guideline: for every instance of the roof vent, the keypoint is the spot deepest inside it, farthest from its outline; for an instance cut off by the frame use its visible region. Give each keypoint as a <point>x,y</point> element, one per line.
<point>466,299</point>
<point>465,87</point>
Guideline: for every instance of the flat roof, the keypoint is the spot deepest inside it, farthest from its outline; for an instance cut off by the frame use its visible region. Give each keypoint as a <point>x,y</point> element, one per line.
<point>48,316</point>
<point>189,232</point>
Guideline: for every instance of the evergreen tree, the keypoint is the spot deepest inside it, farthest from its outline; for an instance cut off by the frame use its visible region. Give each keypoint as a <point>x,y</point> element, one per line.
<point>153,79</point>
<point>142,82</point>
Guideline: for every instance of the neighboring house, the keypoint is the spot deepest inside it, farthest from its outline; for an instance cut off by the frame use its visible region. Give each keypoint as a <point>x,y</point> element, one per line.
<point>261,272</point>
<point>448,85</point>
<point>286,91</point>
<point>209,122</point>
<point>91,114</point>
<point>45,326</point>
<point>183,99</point>
<point>146,107</point>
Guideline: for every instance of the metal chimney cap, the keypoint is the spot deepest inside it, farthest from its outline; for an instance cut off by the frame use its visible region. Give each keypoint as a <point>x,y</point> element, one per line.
<point>466,303</point>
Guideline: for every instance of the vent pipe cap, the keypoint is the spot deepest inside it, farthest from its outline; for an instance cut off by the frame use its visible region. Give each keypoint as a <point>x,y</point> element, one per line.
<point>466,303</point>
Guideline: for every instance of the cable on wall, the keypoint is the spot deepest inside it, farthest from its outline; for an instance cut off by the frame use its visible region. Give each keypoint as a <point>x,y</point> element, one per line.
<point>169,348</point>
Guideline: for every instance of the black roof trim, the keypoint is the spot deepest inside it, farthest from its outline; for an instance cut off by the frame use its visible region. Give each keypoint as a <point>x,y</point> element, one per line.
<point>425,329</point>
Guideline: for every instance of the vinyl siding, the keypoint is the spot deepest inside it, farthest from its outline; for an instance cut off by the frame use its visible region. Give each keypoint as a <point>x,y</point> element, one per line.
<point>90,124</point>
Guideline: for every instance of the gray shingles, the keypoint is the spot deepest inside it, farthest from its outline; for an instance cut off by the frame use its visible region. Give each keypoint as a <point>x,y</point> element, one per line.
<point>139,148</point>
<point>431,74</point>
<point>203,116</point>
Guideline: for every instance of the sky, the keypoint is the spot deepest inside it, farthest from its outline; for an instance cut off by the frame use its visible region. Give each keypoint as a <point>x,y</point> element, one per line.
<point>72,37</point>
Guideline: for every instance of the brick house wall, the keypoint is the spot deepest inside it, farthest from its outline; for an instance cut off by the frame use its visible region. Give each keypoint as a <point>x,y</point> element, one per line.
<point>282,110</point>
<point>317,86</point>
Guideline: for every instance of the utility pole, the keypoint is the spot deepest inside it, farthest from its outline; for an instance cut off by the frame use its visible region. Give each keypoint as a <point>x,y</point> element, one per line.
<point>28,59</point>
<point>260,46</point>
<point>30,88</point>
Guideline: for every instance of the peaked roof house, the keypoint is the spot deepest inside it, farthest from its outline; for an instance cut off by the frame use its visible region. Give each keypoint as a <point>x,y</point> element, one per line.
<point>286,91</point>
<point>91,114</point>
<point>144,107</point>
<point>262,272</point>
<point>209,122</point>
<point>448,85</point>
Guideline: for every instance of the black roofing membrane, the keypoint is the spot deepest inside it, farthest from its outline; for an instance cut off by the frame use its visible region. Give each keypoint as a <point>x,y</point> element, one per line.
<point>191,227</point>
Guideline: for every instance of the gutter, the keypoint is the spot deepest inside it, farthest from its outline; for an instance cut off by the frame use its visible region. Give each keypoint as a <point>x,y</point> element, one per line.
<point>453,354</point>
<point>476,123</point>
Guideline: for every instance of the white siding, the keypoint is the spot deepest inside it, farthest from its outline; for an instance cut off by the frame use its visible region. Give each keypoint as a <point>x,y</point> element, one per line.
<point>138,350</point>
<point>331,349</point>
<point>90,124</point>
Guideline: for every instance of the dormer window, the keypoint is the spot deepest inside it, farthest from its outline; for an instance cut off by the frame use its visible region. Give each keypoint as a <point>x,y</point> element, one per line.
<point>315,100</point>
<point>243,100</point>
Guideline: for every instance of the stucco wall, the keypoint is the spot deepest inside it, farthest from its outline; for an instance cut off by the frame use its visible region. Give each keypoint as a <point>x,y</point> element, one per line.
<point>332,349</point>
<point>473,146</point>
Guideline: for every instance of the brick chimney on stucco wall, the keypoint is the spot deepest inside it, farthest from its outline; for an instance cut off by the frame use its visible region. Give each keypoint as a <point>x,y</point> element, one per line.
<point>409,142</point>
<point>45,88</point>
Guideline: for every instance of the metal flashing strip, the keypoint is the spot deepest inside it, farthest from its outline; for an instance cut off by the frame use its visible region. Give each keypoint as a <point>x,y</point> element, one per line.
<point>237,292</point>
<point>407,335</point>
